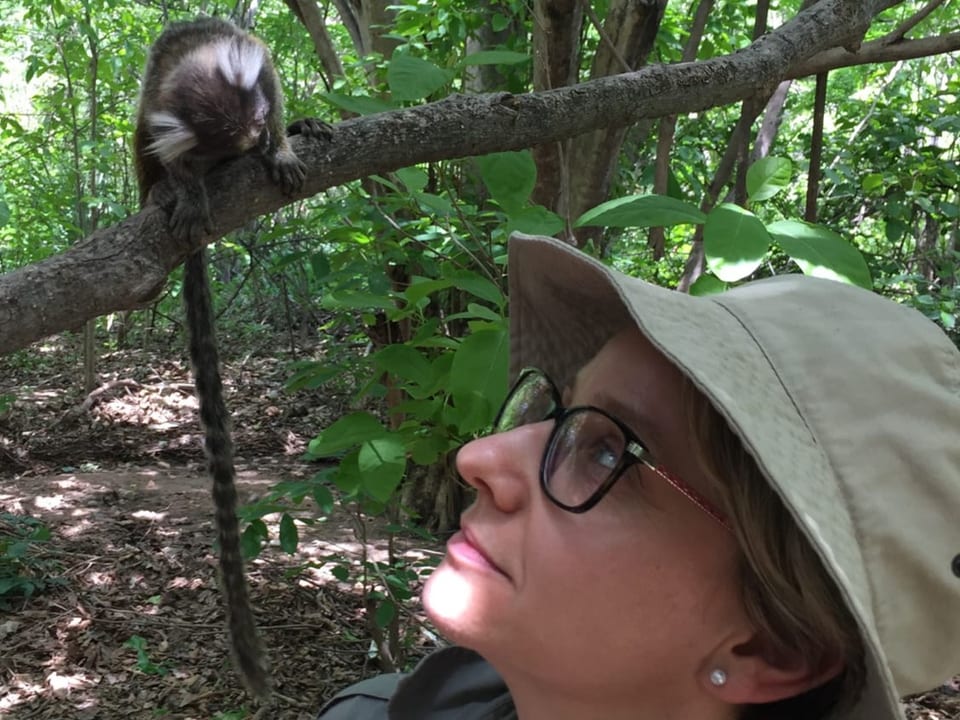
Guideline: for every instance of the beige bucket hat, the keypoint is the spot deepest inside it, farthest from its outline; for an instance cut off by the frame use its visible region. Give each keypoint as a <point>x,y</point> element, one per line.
<point>849,403</point>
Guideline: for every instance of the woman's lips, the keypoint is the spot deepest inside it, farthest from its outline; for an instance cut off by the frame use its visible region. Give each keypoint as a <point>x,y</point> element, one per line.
<point>464,547</point>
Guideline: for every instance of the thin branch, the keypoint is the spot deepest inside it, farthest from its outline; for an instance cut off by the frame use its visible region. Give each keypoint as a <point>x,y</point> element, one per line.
<point>911,22</point>
<point>598,26</point>
<point>816,149</point>
<point>876,51</point>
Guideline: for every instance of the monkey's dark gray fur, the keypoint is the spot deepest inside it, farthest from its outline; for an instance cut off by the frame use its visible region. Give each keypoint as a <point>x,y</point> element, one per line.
<point>210,93</point>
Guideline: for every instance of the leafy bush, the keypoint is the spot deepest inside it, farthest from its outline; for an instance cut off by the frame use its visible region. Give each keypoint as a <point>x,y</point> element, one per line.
<point>23,568</point>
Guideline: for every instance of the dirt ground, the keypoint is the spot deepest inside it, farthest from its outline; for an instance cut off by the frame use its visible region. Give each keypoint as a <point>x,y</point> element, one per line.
<point>131,624</point>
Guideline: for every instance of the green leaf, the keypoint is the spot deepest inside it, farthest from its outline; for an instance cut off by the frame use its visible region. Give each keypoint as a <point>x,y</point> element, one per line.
<point>434,204</point>
<point>421,287</point>
<point>412,78</point>
<point>413,178</point>
<point>385,613</point>
<point>324,499</point>
<point>251,539</point>
<point>533,220</point>
<point>478,377</point>
<point>495,57</point>
<point>475,311</point>
<point>382,463</point>
<point>347,477</point>
<point>359,104</point>
<point>734,242</point>
<point>872,182</point>
<point>768,176</point>
<point>510,177</point>
<point>341,572</point>
<point>821,252</point>
<point>406,363</point>
<point>500,22</point>
<point>356,301</point>
<point>642,211</point>
<point>347,432</point>
<point>426,449</point>
<point>289,537</point>
<point>707,284</point>
<point>478,286</point>
<point>312,375</point>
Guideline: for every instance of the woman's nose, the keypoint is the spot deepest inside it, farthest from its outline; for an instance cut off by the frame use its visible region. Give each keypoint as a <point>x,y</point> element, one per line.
<point>505,466</point>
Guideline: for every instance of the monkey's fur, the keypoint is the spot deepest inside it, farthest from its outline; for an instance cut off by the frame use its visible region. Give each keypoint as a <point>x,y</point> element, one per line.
<point>210,93</point>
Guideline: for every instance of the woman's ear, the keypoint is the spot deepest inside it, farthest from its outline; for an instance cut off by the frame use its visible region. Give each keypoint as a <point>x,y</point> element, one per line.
<point>754,672</point>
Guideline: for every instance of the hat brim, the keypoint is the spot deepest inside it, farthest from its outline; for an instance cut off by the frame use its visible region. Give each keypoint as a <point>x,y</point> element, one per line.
<point>564,306</point>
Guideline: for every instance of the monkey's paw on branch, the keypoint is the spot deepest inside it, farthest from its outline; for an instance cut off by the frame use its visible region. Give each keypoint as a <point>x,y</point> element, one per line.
<point>188,217</point>
<point>287,170</point>
<point>311,128</point>
<point>190,221</point>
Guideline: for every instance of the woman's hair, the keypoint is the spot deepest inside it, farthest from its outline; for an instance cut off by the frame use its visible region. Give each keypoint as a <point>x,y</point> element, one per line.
<point>788,595</point>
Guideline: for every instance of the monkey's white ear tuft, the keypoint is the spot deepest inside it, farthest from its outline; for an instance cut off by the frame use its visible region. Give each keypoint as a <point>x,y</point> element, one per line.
<point>171,138</point>
<point>240,60</point>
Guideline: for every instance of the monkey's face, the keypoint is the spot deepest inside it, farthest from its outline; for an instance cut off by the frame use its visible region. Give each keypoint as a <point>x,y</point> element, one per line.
<point>212,103</point>
<point>233,121</point>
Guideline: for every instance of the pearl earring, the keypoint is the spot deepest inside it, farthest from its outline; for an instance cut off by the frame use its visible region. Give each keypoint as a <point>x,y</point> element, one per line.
<point>718,678</point>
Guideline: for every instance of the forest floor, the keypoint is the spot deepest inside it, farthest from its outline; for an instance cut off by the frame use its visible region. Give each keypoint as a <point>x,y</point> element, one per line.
<point>126,620</point>
<point>130,623</point>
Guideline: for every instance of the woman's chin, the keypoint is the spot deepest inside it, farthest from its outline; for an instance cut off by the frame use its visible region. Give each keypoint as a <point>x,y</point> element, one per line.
<point>454,604</point>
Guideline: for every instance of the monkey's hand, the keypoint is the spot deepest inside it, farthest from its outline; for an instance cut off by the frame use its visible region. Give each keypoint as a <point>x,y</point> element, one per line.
<point>311,128</point>
<point>190,219</point>
<point>287,170</point>
<point>184,198</point>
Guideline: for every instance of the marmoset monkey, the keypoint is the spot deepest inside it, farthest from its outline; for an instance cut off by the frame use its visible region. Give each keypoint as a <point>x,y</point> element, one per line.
<point>210,93</point>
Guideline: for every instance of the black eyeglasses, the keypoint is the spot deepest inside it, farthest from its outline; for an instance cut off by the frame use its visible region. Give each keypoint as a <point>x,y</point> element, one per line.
<point>588,449</point>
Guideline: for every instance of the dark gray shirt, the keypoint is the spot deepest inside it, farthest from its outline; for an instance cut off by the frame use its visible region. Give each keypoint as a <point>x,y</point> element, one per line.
<point>450,684</point>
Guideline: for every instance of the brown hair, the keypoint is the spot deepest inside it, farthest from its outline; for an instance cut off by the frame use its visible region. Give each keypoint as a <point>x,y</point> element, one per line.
<point>786,591</point>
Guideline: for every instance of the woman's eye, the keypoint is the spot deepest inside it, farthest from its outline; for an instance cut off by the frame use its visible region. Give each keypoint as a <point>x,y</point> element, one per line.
<point>604,455</point>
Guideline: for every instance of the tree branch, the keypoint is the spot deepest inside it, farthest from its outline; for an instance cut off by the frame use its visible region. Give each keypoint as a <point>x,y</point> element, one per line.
<point>124,266</point>
<point>876,51</point>
<point>911,22</point>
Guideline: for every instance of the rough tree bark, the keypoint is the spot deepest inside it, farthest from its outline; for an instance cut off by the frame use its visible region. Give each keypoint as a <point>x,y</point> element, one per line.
<point>627,38</point>
<point>125,265</point>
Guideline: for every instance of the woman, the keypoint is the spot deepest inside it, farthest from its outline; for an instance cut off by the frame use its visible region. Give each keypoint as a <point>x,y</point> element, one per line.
<point>741,506</point>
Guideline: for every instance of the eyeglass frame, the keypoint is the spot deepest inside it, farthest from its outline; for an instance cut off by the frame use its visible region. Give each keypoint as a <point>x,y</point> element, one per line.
<point>634,452</point>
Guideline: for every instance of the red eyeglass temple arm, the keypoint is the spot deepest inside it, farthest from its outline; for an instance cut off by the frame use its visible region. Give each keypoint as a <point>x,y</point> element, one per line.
<point>693,496</point>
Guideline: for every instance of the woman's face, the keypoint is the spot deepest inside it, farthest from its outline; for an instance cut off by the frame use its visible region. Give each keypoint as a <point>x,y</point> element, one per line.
<point>628,598</point>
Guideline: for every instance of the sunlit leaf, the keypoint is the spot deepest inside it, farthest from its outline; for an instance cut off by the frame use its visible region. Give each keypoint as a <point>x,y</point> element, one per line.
<point>734,242</point>
<point>642,211</point>
<point>767,177</point>
<point>821,252</point>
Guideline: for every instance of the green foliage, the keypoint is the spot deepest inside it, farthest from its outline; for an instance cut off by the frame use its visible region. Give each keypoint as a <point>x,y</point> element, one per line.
<point>736,242</point>
<point>144,663</point>
<point>453,386</point>
<point>510,178</point>
<point>24,568</point>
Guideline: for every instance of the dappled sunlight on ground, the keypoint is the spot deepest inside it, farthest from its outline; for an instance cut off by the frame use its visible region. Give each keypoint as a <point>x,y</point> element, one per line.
<point>133,551</point>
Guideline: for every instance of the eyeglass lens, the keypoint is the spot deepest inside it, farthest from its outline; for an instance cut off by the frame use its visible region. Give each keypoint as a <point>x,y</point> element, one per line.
<point>586,451</point>
<point>533,399</point>
<point>585,448</point>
